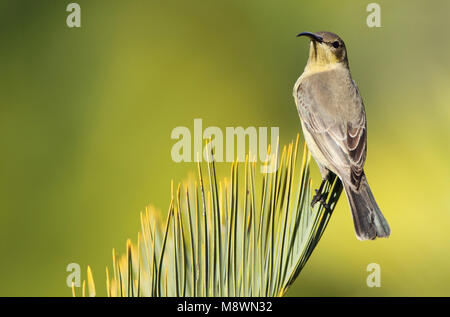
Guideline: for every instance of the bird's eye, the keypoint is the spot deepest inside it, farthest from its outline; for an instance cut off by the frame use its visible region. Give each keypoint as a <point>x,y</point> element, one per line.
<point>335,44</point>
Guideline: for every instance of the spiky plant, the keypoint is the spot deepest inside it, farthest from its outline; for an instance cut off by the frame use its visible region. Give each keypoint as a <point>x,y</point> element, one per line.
<point>220,239</point>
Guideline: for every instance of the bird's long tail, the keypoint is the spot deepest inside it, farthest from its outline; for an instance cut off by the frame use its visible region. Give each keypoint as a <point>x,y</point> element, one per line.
<point>367,217</point>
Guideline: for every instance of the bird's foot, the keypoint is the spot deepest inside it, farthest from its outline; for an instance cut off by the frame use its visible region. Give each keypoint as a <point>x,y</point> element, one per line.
<point>323,201</point>
<point>318,197</point>
<point>315,198</point>
<point>321,198</point>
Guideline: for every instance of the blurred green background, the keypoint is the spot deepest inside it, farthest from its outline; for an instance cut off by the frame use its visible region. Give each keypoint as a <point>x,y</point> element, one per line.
<point>86,116</point>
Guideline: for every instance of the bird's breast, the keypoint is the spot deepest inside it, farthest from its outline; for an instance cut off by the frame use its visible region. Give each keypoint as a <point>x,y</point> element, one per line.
<point>331,92</point>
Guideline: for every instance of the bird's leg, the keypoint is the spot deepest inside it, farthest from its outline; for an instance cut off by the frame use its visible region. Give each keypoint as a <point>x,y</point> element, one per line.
<point>319,196</point>
<point>323,201</point>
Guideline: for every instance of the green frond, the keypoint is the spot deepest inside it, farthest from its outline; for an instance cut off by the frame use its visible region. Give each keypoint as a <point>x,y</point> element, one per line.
<point>227,238</point>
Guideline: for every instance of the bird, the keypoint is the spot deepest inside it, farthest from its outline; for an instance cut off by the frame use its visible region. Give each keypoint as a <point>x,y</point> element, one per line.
<point>334,126</point>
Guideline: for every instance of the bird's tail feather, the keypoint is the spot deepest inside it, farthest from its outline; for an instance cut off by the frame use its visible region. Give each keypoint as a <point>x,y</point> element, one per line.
<point>367,217</point>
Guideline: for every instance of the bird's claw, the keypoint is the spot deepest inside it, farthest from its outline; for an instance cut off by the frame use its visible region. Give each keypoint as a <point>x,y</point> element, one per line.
<point>315,198</point>
<point>320,198</point>
<point>323,201</point>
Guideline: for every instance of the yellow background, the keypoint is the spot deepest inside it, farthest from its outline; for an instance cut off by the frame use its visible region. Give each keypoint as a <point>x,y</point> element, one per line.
<point>86,116</point>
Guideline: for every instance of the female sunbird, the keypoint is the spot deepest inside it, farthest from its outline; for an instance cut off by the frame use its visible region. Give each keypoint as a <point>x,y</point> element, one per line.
<point>334,125</point>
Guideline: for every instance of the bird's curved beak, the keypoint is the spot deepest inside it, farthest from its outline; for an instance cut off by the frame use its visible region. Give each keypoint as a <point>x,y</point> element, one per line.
<point>312,36</point>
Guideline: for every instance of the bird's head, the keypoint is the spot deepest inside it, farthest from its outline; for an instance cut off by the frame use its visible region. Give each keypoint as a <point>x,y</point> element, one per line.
<point>326,50</point>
